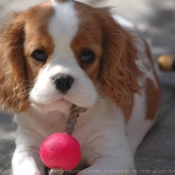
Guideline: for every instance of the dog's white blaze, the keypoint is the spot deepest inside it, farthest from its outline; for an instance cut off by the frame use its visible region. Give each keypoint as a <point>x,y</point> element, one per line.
<point>63,27</point>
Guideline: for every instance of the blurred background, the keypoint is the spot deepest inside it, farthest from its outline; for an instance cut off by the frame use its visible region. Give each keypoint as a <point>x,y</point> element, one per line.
<point>156,21</point>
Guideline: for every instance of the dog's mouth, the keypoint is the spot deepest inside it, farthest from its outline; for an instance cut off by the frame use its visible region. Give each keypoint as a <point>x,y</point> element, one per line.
<point>61,105</point>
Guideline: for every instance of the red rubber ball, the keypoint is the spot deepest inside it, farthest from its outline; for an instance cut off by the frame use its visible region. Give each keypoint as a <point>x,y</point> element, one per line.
<point>60,150</point>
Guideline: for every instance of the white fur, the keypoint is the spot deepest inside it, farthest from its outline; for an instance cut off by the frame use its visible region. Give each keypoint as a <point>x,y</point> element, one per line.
<point>107,144</point>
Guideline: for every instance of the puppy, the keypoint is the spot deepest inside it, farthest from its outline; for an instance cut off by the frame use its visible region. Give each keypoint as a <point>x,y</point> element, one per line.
<point>61,53</point>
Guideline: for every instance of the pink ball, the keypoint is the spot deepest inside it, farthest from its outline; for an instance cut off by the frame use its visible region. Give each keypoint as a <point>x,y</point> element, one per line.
<point>60,150</point>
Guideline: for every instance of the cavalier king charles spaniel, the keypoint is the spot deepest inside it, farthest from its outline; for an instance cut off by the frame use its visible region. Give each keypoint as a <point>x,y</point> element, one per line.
<point>62,53</point>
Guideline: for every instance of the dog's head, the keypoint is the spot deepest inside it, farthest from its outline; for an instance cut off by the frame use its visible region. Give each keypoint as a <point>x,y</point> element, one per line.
<point>65,52</point>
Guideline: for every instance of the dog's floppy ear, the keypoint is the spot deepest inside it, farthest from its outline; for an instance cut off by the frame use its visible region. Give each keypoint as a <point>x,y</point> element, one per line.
<point>13,82</point>
<point>119,74</point>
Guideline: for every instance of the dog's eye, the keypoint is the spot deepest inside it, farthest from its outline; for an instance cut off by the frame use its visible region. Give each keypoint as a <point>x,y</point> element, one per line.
<point>87,57</point>
<point>39,55</point>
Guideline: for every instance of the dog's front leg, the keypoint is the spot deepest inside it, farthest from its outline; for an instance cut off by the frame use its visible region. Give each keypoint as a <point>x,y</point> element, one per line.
<point>26,161</point>
<point>110,165</point>
<point>108,150</point>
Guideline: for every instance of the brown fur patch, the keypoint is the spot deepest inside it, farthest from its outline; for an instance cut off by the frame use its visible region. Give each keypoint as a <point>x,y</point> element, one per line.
<point>119,73</point>
<point>127,111</point>
<point>114,70</point>
<point>88,37</point>
<point>152,99</point>
<point>18,70</point>
<point>37,37</point>
<point>13,75</point>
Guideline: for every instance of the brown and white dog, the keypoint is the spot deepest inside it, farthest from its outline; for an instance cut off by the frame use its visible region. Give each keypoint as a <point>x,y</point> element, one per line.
<point>63,52</point>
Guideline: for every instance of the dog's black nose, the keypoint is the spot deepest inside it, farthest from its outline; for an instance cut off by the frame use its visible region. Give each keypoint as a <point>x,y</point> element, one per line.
<point>63,82</point>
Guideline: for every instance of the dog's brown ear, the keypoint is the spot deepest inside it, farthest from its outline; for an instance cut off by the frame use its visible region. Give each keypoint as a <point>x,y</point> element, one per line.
<point>119,73</point>
<point>13,82</point>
